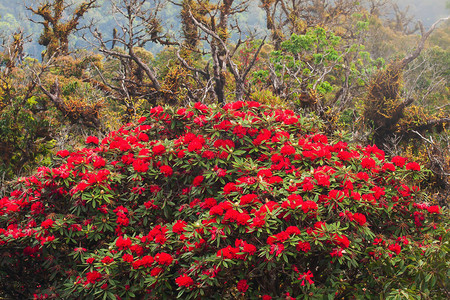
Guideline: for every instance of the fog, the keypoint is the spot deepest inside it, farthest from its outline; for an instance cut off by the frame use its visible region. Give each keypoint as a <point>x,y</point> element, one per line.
<point>428,11</point>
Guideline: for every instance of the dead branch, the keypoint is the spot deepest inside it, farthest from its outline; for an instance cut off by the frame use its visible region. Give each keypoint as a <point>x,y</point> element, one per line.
<point>421,44</point>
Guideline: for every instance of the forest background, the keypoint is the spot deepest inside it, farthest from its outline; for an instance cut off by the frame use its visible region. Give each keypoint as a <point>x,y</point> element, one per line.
<point>14,15</point>
<point>369,69</point>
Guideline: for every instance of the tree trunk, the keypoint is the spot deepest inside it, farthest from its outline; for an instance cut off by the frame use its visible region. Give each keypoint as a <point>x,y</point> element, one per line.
<point>219,89</point>
<point>239,90</point>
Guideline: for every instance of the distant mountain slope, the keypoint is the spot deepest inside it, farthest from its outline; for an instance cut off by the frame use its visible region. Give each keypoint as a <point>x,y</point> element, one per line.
<point>14,15</point>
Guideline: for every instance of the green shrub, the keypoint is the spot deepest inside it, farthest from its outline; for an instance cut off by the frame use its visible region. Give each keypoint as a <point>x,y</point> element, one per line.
<point>244,201</point>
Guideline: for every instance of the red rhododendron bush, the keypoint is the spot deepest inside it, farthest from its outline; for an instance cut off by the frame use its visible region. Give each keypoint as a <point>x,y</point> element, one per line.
<point>243,201</point>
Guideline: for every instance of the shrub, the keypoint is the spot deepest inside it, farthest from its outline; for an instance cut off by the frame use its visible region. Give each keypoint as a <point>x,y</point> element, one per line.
<point>244,201</point>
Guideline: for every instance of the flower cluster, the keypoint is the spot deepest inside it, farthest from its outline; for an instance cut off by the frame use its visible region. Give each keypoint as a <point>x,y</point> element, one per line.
<point>243,200</point>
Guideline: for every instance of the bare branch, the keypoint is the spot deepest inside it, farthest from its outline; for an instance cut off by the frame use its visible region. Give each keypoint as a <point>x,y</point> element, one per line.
<point>255,56</point>
<point>146,69</point>
<point>208,31</point>
<point>405,61</point>
<point>186,65</point>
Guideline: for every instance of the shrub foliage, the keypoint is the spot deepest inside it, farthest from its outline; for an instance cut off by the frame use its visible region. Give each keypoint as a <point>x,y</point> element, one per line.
<point>244,201</point>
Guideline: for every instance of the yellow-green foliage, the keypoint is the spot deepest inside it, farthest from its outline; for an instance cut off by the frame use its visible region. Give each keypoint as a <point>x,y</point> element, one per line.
<point>383,95</point>
<point>267,97</point>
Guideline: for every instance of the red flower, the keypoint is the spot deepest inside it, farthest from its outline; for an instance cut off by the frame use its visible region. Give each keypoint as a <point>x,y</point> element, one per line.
<point>288,121</point>
<point>99,162</point>
<point>360,218</point>
<point>208,203</point>
<point>345,155</point>
<point>93,277</point>
<point>413,166</point>
<point>163,258</point>
<point>123,221</point>
<point>181,154</point>
<point>403,239</point>
<point>249,248</point>
<point>200,106</point>
<point>303,246</point>
<point>159,149</point>
<point>368,163</point>
<point>198,180</point>
<point>208,154</point>
<point>306,276</point>
<point>178,227</point>
<point>342,241</point>
<point>227,252</point>
<point>216,210</point>
<point>337,252</point>
<point>63,153</point>
<point>434,209</point>
<point>157,110</point>
<point>127,258</point>
<point>287,150</point>
<point>184,280</point>
<point>140,166</point>
<point>221,172</point>
<point>275,180</point>
<point>195,145</point>
<point>37,208</point>
<point>229,187</point>
<point>249,198</point>
<point>378,192</point>
<point>277,249</point>
<point>156,271</point>
<point>242,218</point>
<point>145,262</point>
<point>166,171</point>
<point>363,176</point>
<point>92,139</point>
<point>155,188</point>
<point>264,173</point>
<point>258,221</point>
<point>231,215</point>
<point>322,179</point>
<point>137,249</point>
<point>242,286</point>
<point>282,236</point>
<point>308,206</point>
<point>320,138</point>
<point>122,243</point>
<point>47,223</point>
<point>307,184</point>
<point>388,167</point>
<point>396,248</point>
<point>142,137</point>
<point>90,260</point>
<point>107,260</point>
<point>399,161</point>
<point>240,131</point>
<point>224,125</point>
<point>292,230</point>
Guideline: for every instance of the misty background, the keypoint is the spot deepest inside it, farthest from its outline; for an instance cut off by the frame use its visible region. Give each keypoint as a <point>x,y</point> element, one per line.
<point>15,16</point>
